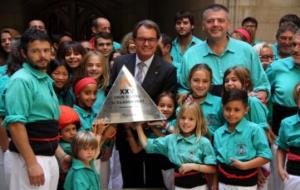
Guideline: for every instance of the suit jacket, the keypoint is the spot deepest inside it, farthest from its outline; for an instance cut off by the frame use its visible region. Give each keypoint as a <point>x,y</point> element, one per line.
<point>161,76</point>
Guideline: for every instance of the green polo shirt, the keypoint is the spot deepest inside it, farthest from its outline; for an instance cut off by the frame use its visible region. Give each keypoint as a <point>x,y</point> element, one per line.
<point>176,53</point>
<point>3,69</point>
<point>182,150</point>
<point>80,177</point>
<point>275,51</point>
<point>30,97</point>
<point>213,112</point>
<point>283,75</point>
<point>258,112</point>
<point>236,53</point>
<point>86,118</point>
<point>3,83</point>
<point>289,133</point>
<point>245,143</point>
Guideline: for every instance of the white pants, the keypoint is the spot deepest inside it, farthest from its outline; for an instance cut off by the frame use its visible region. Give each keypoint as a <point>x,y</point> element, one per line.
<point>17,177</point>
<point>202,187</point>
<point>223,186</point>
<point>116,180</point>
<point>2,178</point>
<point>168,178</point>
<point>104,174</point>
<point>275,181</point>
<point>293,183</point>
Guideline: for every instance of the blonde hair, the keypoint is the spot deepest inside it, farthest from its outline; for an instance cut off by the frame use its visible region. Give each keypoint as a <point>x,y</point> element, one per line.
<point>104,79</point>
<point>82,140</point>
<point>194,109</point>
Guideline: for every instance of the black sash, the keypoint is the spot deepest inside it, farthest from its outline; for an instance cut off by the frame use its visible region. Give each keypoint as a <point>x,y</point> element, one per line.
<point>280,112</point>
<point>43,137</point>
<point>293,166</point>
<point>189,180</point>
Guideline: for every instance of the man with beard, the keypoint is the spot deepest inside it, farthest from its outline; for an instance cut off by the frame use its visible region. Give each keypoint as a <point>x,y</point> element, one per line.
<point>284,37</point>
<point>32,113</point>
<point>184,25</point>
<point>221,52</point>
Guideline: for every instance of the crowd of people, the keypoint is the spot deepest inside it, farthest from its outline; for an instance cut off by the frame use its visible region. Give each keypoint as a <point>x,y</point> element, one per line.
<point>231,104</point>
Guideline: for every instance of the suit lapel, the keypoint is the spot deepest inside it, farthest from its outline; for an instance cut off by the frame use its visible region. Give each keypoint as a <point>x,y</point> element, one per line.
<point>153,71</point>
<point>130,64</point>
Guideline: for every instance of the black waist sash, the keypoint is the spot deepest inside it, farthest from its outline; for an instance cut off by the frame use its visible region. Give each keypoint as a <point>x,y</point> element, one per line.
<point>189,180</point>
<point>43,137</point>
<point>233,176</point>
<point>280,112</point>
<point>293,165</point>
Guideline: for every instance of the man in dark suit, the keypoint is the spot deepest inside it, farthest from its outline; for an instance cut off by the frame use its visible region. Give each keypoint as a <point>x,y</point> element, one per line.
<point>155,76</point>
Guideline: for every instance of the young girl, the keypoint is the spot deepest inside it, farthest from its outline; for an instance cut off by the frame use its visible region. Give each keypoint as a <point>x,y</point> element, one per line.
<point>95,65</point>
<point>85,92</point>
<point>59,72</point>
<point>85,149</point>
<point>241,146</point>
<point>187,149</point>
<point>200,79</point>
<point>288,147</point>
<point>239,78</point>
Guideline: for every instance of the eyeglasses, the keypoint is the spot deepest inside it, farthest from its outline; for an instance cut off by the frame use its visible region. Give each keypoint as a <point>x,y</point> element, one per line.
<point>144,40</point>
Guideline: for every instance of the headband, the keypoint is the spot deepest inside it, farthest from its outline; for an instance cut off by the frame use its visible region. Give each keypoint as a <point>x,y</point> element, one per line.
<point>83,83</point>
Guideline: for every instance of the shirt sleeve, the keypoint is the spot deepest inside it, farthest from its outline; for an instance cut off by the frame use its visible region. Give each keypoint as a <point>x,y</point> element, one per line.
<point>281,140</point>
<point>258,113</point>
<point>18,101</point>
<point>261,144</point>
<point>209,153</point>
<point>158,145</point>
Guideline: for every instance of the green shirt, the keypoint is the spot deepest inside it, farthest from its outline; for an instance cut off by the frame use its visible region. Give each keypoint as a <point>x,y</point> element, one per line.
<point>283,75</point>
<point>245,143</point>
<point>3,83</point>
<point>289,133</point>
<point>182,150</point>
<point>66,146</point>
<point>258,112</point>
<point>213,112</point>
<point>66,97</point>
<point>30,97</point>
<point>100,98</point>
<point>86,118</point>
<point>80,177</point>
<point>176,53</point>
<point>236,53</point>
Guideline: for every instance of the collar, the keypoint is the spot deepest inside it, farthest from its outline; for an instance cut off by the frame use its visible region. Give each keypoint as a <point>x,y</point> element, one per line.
<point>147,62</point>
<point>36,73</point>
<point>191,139</point>
<point>289,62</point>
<point>193,41</point>
<point>209,99</point>
<point>297,119</point>
<point>77,164</point>
<point>230,47</point>
<point>239,127</point>
<point>82,112</point>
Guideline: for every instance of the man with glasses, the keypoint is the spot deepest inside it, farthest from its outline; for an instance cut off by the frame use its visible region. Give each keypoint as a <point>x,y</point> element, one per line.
<point>155,76</point>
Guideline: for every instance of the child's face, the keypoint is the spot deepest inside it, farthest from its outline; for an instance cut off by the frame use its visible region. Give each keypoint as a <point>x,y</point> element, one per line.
<point>232,82</point>
<point>68,132</point>
<point>234,111</point>
<point>86,154</point>
<point>73,59</point>
<point>94,67</point>
<point>200,83</point>
<point>87,96</point>
<point>166,106</point>
<point>60,76</point>
<point>187,123</point>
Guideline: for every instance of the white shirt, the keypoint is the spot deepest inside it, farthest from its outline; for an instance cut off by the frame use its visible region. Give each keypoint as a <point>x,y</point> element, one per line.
<point>145,69</point>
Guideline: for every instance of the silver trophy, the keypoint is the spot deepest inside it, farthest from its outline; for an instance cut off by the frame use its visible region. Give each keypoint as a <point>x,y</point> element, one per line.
<point>127,102</point>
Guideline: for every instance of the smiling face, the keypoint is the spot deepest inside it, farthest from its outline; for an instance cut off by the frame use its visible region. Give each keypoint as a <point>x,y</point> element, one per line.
<point>215,24</point>
<point>234,111</point>
<point>166,106</point>
<point>187,123</point>
<point>200,83</point>
<point>87,96</point>
<point>73,58</point>
<point>60,76</point>
<point>285,40</point>
<point>232,82</point>
<point>146,42</point>
<point>94,67</point>
<point>296,49</point>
